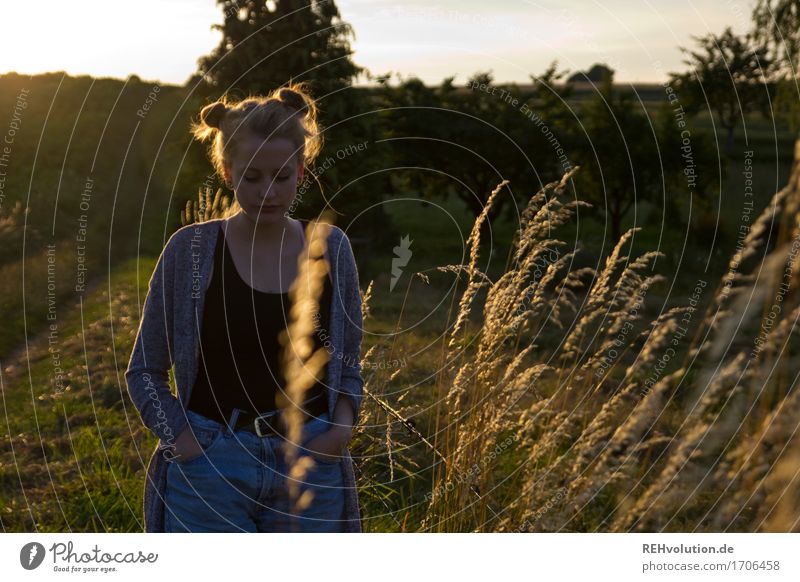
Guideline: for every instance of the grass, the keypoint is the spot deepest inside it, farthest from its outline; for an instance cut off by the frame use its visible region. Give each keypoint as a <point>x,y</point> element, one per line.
<point>503,416</point>
<point>73,460</point>
<point>599,455</point>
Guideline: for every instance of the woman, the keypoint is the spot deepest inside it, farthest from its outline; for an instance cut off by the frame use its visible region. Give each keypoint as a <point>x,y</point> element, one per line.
<point>217,303</point>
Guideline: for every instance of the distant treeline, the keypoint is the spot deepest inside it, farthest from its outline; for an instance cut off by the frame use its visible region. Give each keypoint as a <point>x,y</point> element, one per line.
<point>111,161</point>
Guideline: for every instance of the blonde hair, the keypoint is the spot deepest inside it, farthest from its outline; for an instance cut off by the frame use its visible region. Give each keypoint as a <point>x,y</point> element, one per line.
<point>288,112</point>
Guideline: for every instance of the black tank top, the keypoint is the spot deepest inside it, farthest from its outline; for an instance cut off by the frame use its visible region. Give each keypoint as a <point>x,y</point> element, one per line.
<point>239,363</point>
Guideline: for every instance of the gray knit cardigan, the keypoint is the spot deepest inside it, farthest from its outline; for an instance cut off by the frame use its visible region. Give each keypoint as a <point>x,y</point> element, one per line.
<point>169,334</point>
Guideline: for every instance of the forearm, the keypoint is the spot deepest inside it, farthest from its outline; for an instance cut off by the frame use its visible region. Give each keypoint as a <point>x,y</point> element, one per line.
<point>151,360</point>
<point>351,385</point>
<point>343,416</point>
<point>160,410</point>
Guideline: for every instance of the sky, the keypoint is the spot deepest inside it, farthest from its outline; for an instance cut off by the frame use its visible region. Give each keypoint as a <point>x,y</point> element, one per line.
<point>161,40</point>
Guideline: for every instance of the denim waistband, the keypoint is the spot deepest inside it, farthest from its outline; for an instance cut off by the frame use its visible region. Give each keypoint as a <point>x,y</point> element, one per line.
<point>198,420</point>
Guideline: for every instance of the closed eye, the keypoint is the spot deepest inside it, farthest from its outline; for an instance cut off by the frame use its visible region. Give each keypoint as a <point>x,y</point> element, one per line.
<point>252,179</point>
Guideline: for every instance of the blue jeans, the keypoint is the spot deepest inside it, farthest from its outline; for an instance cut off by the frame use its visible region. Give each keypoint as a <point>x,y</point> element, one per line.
<point>240,483</point>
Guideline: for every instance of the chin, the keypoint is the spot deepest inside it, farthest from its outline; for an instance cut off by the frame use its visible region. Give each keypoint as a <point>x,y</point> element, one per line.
<point>256,216</point>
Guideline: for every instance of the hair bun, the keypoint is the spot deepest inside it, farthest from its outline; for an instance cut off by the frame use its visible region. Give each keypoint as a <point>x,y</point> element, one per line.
<point>213,113</point>
<point>292,99</point>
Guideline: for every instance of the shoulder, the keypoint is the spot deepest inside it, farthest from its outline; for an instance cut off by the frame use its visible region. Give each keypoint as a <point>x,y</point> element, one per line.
<point>339,247</point>
<point>336,240</point>
<point>191,230</point>
<point>337,237</point>
<point>189,236</point>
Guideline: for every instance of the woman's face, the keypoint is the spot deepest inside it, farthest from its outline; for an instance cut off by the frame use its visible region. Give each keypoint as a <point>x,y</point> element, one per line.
<point>264,175</point>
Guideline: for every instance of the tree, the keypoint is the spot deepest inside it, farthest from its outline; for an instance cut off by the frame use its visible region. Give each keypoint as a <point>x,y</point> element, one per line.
<point>267,44</point>
<point>464,142</point>
<point>729,75</point>
<point>619,156</point>
<point>447,142</point>
<point>777,25</point>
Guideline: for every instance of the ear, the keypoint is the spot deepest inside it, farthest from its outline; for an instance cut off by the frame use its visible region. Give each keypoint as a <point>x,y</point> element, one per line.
<point>226,172</point>
<point>300,171</point>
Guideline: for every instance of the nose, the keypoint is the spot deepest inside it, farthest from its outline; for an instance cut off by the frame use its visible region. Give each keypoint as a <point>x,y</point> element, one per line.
<point>268,196</point>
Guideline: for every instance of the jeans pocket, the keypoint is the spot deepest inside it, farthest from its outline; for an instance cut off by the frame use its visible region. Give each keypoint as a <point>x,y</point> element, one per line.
<point>207,438</point>
<point>312,429</point>
<point>324,460</point>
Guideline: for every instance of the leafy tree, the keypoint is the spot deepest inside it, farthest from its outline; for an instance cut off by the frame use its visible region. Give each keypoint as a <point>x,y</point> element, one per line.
<point>619,156</point>
<point>777,25</point>
<point>267,44</point>
<point>551,95</point>
<point>691,173</point>
<point>463,142</point>
<point>729,75</point>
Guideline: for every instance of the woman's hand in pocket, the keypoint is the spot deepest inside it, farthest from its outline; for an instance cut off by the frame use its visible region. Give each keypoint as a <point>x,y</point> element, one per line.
<point>186,446</point>
<point>328,445</point>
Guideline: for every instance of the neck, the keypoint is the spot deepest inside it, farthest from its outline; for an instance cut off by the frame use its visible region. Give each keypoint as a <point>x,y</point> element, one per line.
<point>282,228</point>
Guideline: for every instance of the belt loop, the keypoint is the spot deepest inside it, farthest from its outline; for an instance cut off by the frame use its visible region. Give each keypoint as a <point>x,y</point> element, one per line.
<point>232,422</point>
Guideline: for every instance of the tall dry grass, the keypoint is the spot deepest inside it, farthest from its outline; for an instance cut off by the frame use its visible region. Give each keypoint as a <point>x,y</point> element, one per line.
<point>206,207</point>
<point>303,365</point>
<point>657,431</point>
